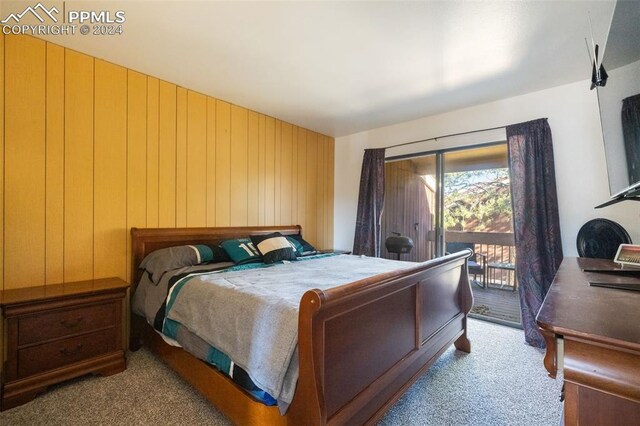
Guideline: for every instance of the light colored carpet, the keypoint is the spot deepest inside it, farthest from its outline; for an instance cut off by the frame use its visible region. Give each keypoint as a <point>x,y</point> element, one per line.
<point>502,382</point>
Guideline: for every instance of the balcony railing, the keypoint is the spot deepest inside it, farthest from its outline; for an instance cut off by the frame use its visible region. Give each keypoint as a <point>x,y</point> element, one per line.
<point>499,249</point>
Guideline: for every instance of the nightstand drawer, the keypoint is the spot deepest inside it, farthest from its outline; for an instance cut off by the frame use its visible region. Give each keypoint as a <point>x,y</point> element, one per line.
<point>60,323</point>
<point>63,352</point>
<point>57,332</point>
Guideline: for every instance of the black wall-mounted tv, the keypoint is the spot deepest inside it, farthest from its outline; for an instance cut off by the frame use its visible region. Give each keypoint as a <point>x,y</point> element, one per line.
<point>619,100</point>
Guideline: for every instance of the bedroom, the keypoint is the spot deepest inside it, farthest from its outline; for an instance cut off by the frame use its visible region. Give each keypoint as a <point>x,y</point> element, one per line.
<point>207,114</point>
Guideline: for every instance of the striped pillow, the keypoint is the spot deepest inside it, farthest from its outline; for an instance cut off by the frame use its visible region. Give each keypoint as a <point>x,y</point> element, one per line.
<point>167,259</point>
<point>274,247</point>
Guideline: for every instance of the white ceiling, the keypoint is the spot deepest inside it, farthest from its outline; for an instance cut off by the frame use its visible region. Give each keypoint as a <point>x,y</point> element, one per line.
<point>343,67</point>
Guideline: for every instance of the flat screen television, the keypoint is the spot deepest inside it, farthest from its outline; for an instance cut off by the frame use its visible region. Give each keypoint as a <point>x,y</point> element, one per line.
<point>619,100</point>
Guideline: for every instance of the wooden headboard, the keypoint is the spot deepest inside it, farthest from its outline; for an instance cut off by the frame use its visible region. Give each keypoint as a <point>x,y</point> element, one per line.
<point>146,240</point>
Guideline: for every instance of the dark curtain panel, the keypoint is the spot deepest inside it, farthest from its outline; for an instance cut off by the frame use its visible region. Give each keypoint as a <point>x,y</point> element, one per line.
<point>535,218</point>
<point>631,132</point>
<point>370,203</point>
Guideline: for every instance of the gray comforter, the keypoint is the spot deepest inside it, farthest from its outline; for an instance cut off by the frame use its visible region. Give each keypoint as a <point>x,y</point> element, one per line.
<point>252,315</point>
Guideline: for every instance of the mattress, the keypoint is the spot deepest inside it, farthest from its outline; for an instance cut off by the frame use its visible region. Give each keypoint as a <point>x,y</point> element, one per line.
<point>243,319</point>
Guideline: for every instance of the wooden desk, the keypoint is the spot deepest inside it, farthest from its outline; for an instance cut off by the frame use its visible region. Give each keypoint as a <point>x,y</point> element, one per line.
<point>601,332</point>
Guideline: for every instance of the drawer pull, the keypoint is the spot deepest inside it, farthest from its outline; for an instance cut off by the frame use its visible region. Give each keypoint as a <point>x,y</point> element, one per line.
<point>71,323</point>
<point>65,351</point>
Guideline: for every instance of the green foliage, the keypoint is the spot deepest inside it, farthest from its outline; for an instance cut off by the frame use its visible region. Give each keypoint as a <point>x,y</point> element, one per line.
<point>476,197</point>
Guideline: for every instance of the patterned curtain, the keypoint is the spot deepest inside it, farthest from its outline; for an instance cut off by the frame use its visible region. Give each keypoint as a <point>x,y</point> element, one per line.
<point>535,218</point>
<point>631,132</point>
<point>370,203</point>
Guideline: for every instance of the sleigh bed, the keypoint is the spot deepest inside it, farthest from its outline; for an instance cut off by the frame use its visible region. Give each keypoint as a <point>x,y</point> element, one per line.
<point>360,345</point>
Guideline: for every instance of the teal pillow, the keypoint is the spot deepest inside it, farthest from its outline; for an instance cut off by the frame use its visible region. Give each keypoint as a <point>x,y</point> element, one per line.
<point>307,248</point>
<point>241,250</point>
<point>297,247</point>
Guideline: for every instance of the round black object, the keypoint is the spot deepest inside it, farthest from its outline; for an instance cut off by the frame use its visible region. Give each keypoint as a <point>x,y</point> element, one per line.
<point>600,238</point>
<point>398,243</point>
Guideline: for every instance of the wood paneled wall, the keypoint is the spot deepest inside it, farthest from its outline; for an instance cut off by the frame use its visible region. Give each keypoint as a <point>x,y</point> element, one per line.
<point>408,209</point>
<point>91,149</point>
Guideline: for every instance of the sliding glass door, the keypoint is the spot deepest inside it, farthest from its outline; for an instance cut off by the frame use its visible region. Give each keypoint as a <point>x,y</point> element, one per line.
<point>450,200</point>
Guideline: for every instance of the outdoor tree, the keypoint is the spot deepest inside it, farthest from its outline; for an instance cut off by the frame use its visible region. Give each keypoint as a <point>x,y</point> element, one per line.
<point>475,199</point>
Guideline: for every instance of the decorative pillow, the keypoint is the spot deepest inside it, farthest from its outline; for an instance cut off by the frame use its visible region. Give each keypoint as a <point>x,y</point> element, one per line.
<point>274,247</point>
<point>160,261</point>
<point>241,250</point>
<point>307,249</point>
<point>219,255</point>
<point>297,247</point>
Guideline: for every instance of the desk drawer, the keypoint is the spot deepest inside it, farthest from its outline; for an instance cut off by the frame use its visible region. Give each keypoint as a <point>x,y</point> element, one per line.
<point>63,352</point>
<point>61,323</point>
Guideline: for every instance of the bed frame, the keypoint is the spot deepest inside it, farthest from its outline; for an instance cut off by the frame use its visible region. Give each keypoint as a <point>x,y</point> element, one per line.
<point>361,345</point>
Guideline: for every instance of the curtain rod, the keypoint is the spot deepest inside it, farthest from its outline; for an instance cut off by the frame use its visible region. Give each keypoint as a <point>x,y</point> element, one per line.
<point>445,136</point>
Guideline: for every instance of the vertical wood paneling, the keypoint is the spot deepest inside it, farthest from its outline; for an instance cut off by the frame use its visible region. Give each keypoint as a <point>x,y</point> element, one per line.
<point>270,170</point>
<point>223,163</point>
<point>110,171</point>
<point>167,155</point>
<point>78,182</point>
<point>136,156</point>
<point>277,173</point>
<point>196,159</point>
<point>262,167</point>
<point>311,192</point>
<point>295,176</point>
<point>54,227</point>
<point>302,180</point>
<point>2,97</point>
<point>407,204</point>
<point>211,161</point>
<point>330,190</point>
<point>181,157</point>
<point>153,98</point>
<point>89,150</point>
<point>390,218</point>
<point>320,185</point>
<point>285,175</point>
<point>24,170</point>
<point>253,171</point>
<point>239,170</point>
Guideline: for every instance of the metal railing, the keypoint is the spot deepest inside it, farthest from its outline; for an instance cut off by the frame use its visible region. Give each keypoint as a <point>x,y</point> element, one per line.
<point>499,251</point>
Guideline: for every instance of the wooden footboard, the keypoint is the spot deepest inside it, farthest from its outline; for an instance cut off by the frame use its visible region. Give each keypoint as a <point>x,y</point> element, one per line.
<point>361,345</point>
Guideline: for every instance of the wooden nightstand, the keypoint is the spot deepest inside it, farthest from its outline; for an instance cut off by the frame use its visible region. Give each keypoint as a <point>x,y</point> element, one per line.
<point>58,332</point>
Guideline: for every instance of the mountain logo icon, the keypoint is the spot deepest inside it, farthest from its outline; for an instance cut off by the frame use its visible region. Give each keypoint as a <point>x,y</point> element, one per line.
<point>43,11</point>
